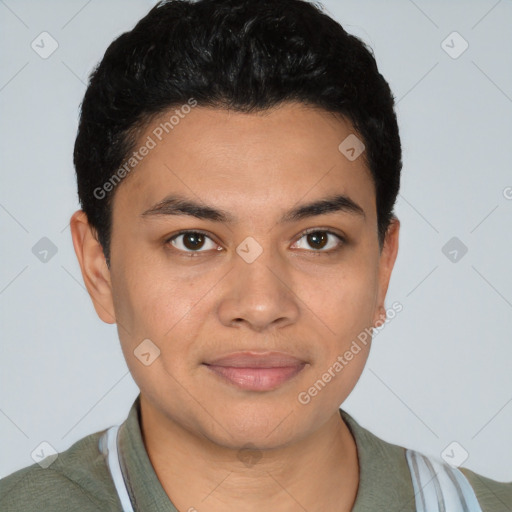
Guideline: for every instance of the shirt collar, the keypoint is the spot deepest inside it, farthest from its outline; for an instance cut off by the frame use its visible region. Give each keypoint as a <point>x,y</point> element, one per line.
<point>384,477</point>
<point>143,485</point>
<point>385,481</point>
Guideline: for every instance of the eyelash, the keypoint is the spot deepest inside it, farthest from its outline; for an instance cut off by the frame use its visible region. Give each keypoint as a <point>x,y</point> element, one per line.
<point>316,252</point>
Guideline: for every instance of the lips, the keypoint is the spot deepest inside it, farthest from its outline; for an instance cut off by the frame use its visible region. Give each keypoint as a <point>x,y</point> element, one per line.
<point>252,359</point>
<point>256,371</point>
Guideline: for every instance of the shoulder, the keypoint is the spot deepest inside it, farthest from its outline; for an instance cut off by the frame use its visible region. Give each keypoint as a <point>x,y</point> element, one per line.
<point>390,467</point>
<point>77,480</point>
<point>491,494</point>
<point>433,476</point>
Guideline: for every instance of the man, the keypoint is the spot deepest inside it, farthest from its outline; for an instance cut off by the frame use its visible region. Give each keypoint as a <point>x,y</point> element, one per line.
<point>237,164</point>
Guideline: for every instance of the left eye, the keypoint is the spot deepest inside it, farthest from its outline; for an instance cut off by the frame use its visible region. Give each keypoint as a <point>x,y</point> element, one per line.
<point>319,240</point>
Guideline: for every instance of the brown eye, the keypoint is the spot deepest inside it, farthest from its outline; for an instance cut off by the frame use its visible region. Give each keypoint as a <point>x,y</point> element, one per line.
<point>191,241</point>
<point>317,240</point>
<point>321,241</point>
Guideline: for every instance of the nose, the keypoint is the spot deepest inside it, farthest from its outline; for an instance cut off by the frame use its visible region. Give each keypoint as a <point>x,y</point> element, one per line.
<point>259,294</point>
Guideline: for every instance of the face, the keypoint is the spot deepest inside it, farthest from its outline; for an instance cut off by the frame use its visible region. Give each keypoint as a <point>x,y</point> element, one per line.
<point>251,268</point>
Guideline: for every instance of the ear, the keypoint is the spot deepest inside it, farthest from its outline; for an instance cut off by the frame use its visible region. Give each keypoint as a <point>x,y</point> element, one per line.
<point>94,268</point>
<point>386,263</point>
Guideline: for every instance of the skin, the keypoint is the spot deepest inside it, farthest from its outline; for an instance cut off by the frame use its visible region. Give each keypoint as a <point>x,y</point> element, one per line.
<point>295,298</point>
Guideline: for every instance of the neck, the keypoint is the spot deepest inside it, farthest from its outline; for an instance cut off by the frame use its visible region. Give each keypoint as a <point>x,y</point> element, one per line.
<point>319,472</point>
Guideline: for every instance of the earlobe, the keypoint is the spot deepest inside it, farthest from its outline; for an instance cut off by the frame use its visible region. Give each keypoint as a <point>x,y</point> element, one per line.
<point>95,273</point>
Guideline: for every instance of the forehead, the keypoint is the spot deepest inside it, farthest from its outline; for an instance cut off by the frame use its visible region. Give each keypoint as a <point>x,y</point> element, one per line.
<point>249,161</point>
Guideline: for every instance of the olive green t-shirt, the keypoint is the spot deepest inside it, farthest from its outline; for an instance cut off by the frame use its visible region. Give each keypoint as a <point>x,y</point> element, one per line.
<point>79,479</point>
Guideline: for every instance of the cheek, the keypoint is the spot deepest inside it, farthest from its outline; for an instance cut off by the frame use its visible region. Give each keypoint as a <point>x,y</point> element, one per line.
<point>151,298</point>
<point>158,308</point>
<point>158,303</point>
<point>345,304</point>
<point>346,300</point>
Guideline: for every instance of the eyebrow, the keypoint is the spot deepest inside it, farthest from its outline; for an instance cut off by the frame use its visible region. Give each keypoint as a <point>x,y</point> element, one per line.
<point>180,205</point>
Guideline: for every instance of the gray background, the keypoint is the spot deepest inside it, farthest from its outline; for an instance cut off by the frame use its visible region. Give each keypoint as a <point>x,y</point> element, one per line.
<point>439,372</point>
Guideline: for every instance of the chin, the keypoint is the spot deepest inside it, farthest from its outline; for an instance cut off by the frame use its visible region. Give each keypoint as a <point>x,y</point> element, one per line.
<point>264,425</point>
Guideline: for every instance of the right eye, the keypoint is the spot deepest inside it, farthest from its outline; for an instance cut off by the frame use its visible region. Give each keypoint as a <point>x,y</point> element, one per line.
<point>191,241</point>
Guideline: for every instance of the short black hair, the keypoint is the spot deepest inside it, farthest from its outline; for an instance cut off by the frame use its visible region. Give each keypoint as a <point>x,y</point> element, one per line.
<point>244,55</point>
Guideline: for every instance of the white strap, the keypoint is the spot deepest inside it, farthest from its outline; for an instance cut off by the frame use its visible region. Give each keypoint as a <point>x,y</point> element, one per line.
<point>108,446</point>
<point>439,487</point>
